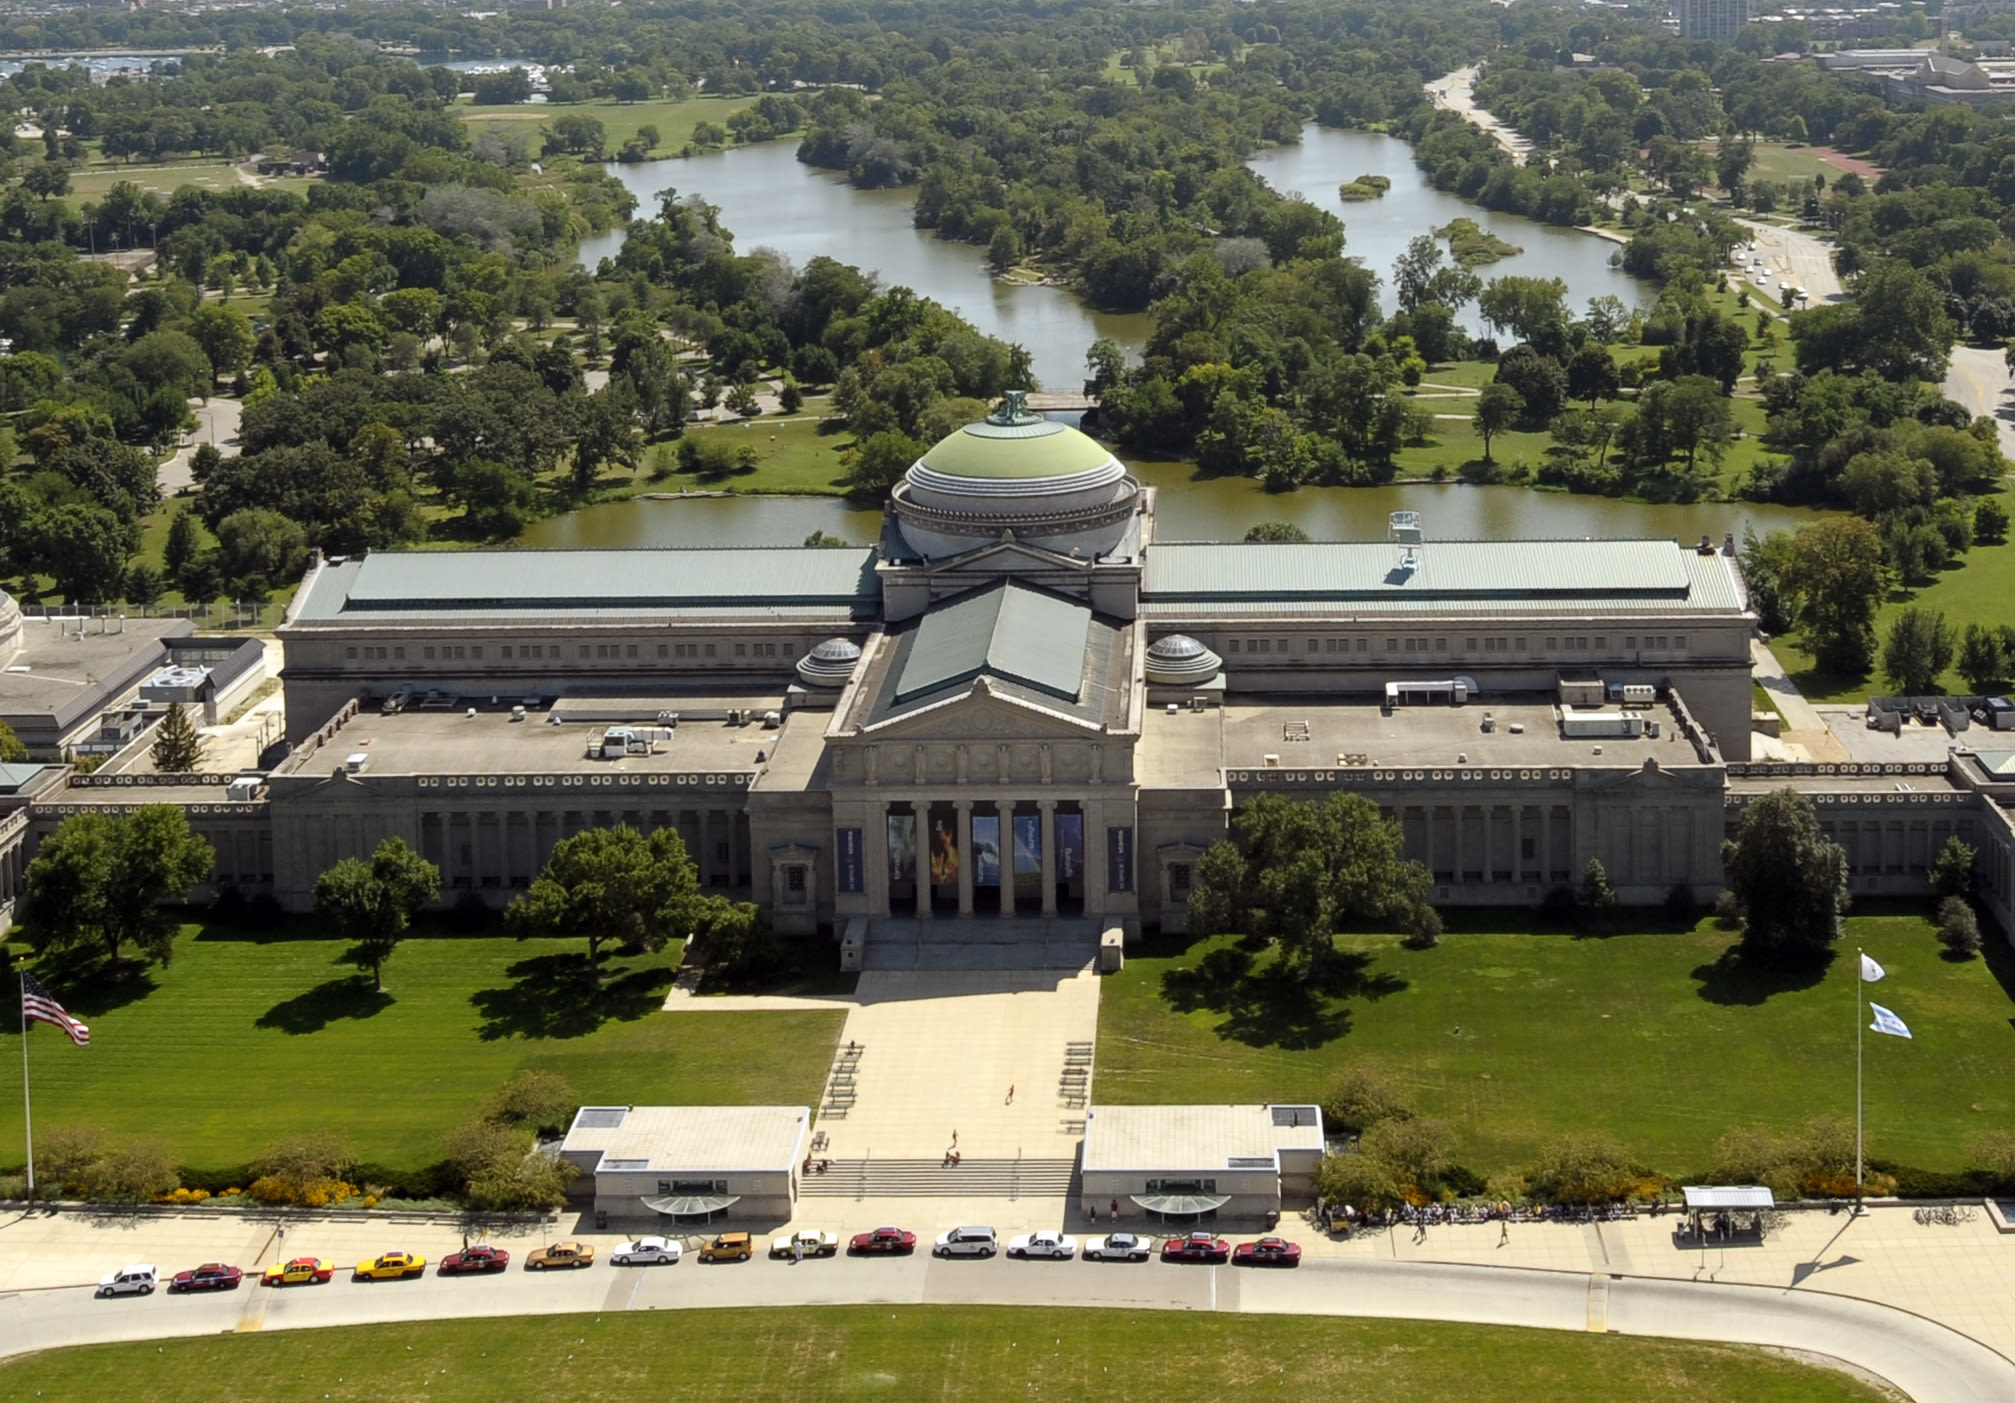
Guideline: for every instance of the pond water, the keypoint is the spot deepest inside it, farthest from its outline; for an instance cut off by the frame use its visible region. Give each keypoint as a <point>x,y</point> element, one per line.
<point>768,199</point>
<point>1189,508</point>
<point>1376,231</point>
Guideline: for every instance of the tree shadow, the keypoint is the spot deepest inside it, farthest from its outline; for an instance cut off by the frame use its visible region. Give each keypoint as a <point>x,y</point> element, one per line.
<point>1734,981</point>
<point>333,999</point>
<point>555,996</point>
<point>1276,1004</point>
<point>89,986</point>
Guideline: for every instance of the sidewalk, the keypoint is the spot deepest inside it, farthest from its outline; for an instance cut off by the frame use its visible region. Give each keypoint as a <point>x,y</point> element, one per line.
<point>1804,727</point>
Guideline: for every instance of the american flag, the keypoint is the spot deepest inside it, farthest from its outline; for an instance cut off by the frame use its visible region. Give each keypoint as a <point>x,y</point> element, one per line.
<point>37,1004</point>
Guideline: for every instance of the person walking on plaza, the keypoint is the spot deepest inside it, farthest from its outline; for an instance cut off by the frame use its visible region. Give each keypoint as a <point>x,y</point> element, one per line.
<point>1010,1100</point>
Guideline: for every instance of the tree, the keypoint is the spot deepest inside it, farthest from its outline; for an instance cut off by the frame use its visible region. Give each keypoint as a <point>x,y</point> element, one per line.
<point>1362,1096</point>
<point>100,880</point>
<point>1990,523</point>
<point>1523,306</point>
<point>1597,894</point>
<point>1958,928</point>
<point>1583,1167</point>
<point>372,904</point>
<point>612,884</point>
<point>1497,409</point>
<point>83,547</point>
<point>502,1171</point>
<point>1307,868</point>
<point>12,751</point>
<point>607,434</point>
<point>258,551</point>
<point>1983,660</point>
<point>1791,881</point>
<point>177,748</point>
<point>1365,1183</point>
<point>543,1102</point>
<point>1275,532</point>
<point>1952,873</point>
<point>880,461</point>
<point>1592,374</point>
<point>1421,277</point>
<point>1917,651</point>
<point>1836,568</point>
<point>225,336</point>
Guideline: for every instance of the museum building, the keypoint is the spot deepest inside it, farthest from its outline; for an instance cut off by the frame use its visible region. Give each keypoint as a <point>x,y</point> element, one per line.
<point>1020,702</point>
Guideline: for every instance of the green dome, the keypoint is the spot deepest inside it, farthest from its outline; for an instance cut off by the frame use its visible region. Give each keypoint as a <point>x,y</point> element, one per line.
<point>1015,443</point>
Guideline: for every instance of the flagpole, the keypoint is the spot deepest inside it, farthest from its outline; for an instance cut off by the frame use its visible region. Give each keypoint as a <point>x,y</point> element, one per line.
<point>1859,1207</point>
<point>27,1099</point>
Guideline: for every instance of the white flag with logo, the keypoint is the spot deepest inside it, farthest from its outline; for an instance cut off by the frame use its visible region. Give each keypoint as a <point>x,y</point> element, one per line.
<point>1887,1022</point>
<point>1870,971</point>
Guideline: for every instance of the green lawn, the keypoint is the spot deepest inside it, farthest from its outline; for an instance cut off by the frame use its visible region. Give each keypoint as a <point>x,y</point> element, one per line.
<point>969,1353</point>
<point>1976,590</point>
<point>799,455</point>
<point>674,120</point>
<point>1776,161</point>
<point>246,1037</point>
<point>1515,1039</point>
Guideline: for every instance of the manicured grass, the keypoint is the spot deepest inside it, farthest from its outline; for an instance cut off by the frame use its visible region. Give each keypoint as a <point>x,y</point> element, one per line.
<point>248,1037</point>
<point>1977,590</point>
<point>1517,1038</point>
<point>799,455</point>
<point>1776,161</point>
<point>970,1353</point>
<point>93,182</point>
<point>674,120</point>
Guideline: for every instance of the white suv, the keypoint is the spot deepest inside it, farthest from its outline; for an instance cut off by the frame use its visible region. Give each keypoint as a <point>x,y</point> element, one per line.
<point>127,1281</point>
<point>968,1242</point>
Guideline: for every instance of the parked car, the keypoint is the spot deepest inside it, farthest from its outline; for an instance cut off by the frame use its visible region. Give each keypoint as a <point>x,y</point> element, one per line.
<point>884,1240</point>
<point>728,1247</point>
<point>809,1242</point>
<point>475,1259</point>
<point>1042,1244</point>
<point>390,1266</point>
<point>127,1281</point>
<point>967,1242</point>
<point>1267,1252</point>
<point>211,1276</point>
<point>1196,1247</point>
<point>560,1254</point>
<point>300,1271</point>
<point>1117,1247</point>
<point>647,1252</point>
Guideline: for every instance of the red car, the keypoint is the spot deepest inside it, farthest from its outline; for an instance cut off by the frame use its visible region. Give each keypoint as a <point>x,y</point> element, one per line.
<point>1196,1247</point>
<point>475,1259</point>
<point>211,1276</point>
<point>884,1240</point>
<point>1267,1252</point>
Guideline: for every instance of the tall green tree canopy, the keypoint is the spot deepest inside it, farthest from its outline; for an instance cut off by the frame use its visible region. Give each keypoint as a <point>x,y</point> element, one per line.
<point>613,884</point>
<point>373,903</point>
<point>1790,879</point>
<point>99,881</point>
<point>1306,868</point>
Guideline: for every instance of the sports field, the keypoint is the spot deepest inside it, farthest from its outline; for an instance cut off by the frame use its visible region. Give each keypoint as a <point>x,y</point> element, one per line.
<point>970,1354</point>
<point>246,1038</point>
<point>1517,1038</point>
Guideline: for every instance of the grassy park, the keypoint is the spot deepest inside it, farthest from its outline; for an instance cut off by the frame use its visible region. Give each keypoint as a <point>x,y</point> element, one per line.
<point>969,1353</point>
<point>247,1037</point>
<point>1515,1037</point>
<point>674,120</point>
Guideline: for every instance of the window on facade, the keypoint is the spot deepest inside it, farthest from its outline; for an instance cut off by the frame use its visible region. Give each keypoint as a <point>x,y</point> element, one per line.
<point>462,653</point>
<point>475,652</point>
<point>507,652</point>
<point>794,884</point>
<point>538,651</point>
<point>1518,645</point>
<point>1281,644</point>
<point>662,650</point>
<point>1362,644</point>
<point>399,653</point>
<point>741,650</point>
<point>1552,645</point>
<point>1441,645</point>
<point>1392,645</point>
<point>1232,644</point>
<point>710,650</point>
<point>1470,645</point>
<point>1179,875</point>
<point>350,653</point>
<point>586,652</point>
<point>630,651</point>
<point>1630,643</point>
<point>1679,642</point>
<point>427,653</point>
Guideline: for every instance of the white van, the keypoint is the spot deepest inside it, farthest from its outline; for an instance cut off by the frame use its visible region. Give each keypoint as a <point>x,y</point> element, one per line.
<point>127,1281</point>
<point>968,1242</point>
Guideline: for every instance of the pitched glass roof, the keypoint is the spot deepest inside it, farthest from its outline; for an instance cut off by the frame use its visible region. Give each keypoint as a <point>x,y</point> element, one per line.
<point>1007,631</point>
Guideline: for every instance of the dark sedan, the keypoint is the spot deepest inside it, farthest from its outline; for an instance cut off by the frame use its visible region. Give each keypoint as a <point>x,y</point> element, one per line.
<point>1196,1247</point>
<point>884,1240</point>
<point>475,1259</point>
<point>211,1276</point>
<point>1267,1252</point>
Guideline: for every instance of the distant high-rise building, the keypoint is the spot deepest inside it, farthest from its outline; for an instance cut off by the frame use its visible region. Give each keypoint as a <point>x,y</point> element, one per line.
<point>1711,19</point>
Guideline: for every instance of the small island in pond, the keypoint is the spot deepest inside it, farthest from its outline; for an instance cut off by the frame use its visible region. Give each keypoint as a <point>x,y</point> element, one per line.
<point>1470,244</point>
<point>1365,187</point>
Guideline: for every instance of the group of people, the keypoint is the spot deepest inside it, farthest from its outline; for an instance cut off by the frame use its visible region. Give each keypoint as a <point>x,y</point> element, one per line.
<point>1334,1217</point>
<point>816,1166</point>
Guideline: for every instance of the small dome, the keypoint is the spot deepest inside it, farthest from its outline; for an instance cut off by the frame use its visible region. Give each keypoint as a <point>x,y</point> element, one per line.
<point>1180,661</point>
<point>830,664</point>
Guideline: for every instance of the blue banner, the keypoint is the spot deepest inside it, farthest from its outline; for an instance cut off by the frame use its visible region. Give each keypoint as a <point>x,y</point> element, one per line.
<point>1069,847</point>
<point>852,870</point>
<point>986,850</point>
<point>1119,859</point>
<point>1027,844</point>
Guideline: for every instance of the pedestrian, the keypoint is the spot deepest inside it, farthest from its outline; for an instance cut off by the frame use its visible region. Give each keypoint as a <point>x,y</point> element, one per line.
<point>955,1137</point>
<point>1010,1099</point>
<point>1094,1212</point>
<point>797,1250</point>
<point>1115,1210</point>
<point>1504,1232</point>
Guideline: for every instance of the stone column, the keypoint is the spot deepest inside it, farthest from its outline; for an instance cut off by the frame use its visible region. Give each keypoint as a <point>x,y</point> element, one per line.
<point>1518,842</point>
<point>1461,812</point>
<point>923,813</point>
<point>706,855</point>
<point>1427,827</point>
<point>875,858</point>
<point>962,834</point>
<point>1047,807</point>
<point>1005,807</point>
<point>1546,842</point>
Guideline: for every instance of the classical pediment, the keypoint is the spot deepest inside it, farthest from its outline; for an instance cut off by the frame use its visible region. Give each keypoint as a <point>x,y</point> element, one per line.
<point>1004,556</point>
<point>1651,776</point>
<point>977,714</point>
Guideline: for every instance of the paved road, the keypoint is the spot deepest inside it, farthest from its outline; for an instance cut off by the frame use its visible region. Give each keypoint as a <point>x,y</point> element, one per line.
<point>1807,258</point>
<point>1457,92</point>
<point>216,422</point>
<point>1979,380</point>
<point>1926,1360</point>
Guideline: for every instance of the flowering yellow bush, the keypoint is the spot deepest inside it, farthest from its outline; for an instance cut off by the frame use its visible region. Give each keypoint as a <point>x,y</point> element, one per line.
<point>183,1196</point>
<point>319,1194</point>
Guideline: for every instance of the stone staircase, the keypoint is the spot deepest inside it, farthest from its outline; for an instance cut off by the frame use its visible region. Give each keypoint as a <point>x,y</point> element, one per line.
<point>982,943</point>
<point>930,1178</point>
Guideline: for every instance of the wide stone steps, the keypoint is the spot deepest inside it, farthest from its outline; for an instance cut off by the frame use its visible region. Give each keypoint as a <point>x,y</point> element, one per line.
<point>929,1178</point>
